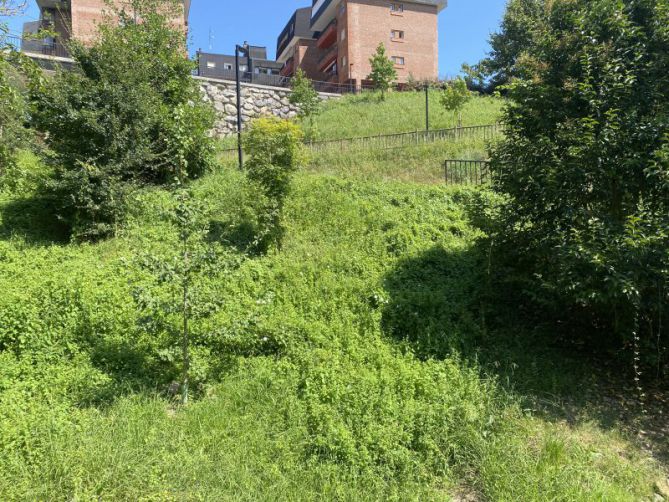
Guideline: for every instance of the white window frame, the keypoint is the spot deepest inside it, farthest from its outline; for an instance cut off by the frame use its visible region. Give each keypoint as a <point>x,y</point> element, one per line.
<point>400,34</point>
<point>397,8</point>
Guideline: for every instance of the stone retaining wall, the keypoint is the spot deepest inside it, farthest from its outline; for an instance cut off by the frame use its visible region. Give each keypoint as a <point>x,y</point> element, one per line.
<point>257,101</point>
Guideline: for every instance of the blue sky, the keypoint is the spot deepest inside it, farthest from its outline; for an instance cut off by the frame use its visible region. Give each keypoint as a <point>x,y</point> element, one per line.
<point>464,27</point>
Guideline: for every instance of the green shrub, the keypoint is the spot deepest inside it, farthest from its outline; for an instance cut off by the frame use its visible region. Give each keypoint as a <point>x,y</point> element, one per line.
<point>585,166</point>
<point>13,115</point>
<point>275,152</point>
<point>129,113</point>
<point>306,98</point>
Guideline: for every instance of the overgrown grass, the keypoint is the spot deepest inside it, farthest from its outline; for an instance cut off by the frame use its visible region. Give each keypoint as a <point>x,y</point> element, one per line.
<point>354,116</point>
<point>366,115</point>
<point>344,367</point>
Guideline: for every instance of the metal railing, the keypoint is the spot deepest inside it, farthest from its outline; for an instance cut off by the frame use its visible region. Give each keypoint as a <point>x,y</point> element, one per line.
<point>394,141</point>
<point>467,172</point>
<point>400,140</point>
<point>30,45</point>
<point>281,81</point>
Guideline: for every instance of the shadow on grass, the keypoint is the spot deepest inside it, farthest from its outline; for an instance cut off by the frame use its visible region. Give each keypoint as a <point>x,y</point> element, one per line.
<point>441,302</point>
<point>33,220</point>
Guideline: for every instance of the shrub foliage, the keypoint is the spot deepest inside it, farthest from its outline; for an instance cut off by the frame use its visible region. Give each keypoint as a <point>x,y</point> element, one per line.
<point>130,113</point>
<point>585,165</point>
<point>275,152</point>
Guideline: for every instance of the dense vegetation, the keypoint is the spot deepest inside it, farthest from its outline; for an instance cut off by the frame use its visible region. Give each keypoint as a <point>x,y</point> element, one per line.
<point>130,114</point>
<point>585,168</point>
<point>328,369</point>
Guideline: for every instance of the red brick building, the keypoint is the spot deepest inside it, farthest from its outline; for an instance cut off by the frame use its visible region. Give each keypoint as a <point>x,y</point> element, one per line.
<point>79,19</point>
<point>333,40</point>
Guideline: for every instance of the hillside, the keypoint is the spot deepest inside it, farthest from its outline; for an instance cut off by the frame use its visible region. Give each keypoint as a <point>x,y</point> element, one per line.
<point>367,115</point>
<point>355,364</point>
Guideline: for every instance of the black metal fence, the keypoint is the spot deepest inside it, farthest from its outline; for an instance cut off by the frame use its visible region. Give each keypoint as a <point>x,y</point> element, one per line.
<point>35,46</point>
<point>392,141</point>
<point>400,140</point>
<point>467,172</point>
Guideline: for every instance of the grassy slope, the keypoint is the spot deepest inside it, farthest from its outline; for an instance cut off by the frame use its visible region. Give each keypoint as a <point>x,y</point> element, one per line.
<point>365,115</point>
<point>319,395</point>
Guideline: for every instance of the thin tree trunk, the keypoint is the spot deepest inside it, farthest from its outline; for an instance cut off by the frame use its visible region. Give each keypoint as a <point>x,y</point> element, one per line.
<point>184,340</point>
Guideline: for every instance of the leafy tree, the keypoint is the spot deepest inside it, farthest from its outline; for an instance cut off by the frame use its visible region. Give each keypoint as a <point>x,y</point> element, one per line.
<point>585,165</point>
<point>383,70</point>
<point>10,8</point>
<point>304,96</point>
<point>515,38</point>
<point>454,97</point>
<point>181,300</point>
<point>274,147</point>
<point>131,113</point>
<point>12,104</point>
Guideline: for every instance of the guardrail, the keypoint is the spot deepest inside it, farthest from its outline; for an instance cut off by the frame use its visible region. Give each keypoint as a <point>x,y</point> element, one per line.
<point>281,81</point>
<point>400,140</point>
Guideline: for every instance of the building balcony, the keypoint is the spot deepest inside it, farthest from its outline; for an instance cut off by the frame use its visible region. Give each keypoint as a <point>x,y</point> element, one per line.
<point>328,58</point>
<point>328,36</point>
<point>322,12</point>
<point>288,68</point>
<point>54,4</point>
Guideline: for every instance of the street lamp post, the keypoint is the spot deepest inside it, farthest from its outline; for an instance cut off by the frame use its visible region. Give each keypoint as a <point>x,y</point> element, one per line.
<point>427,106</point>
<point>240,154</point>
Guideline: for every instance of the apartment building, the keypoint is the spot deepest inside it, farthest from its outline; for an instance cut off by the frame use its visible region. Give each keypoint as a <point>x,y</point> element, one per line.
<point>79,20</point>
<point>333,40</point>
<point>254,66</point>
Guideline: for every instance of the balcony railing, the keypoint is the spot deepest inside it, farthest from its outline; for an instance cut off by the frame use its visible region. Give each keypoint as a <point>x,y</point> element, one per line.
<point>328,36</point>
<point>281,81</point>
<point>329,57</point>
<point>30,45</point>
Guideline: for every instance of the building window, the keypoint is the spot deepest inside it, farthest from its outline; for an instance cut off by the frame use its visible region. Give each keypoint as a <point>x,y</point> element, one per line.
<point>396,35</point>
<point>397,8</point>
<point>343,62</point>
<point>211,64</point>
<point>227,66</point>
<point>343,34</point>
<point>398,60</point>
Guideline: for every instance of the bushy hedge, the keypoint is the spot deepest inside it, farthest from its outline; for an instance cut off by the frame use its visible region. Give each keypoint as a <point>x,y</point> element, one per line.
<point>584,163</point>
<point>129,113</point>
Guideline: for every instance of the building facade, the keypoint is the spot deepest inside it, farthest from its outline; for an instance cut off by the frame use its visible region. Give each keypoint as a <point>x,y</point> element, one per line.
<point>79,20</point>
<point>333,40</point>
<point>254,66</point>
